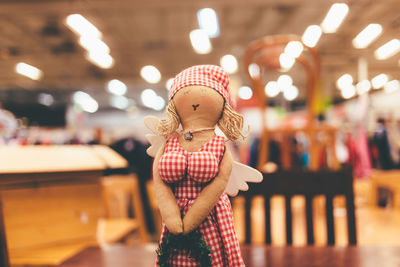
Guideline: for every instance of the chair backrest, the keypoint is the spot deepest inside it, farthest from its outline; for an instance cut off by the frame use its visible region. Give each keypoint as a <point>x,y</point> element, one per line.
<point>310,184</point>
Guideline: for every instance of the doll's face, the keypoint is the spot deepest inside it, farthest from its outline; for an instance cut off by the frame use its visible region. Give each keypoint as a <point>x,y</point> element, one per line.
<point>199,103</point>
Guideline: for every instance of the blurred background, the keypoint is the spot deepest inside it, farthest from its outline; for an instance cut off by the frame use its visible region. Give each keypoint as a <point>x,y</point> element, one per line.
<point>317,82</point>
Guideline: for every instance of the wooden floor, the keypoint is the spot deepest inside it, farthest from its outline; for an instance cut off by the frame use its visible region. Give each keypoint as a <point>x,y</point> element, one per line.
<point>375,226</point>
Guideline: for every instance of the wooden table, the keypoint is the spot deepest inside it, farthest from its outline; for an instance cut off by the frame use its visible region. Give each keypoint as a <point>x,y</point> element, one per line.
<point>254,256</point>
<point>34,166</point>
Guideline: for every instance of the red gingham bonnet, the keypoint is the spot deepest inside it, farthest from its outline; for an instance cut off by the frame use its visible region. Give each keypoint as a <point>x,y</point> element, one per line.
<point>211,76</point>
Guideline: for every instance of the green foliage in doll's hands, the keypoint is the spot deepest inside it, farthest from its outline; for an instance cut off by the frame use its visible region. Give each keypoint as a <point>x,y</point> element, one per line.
<point>192,242</point>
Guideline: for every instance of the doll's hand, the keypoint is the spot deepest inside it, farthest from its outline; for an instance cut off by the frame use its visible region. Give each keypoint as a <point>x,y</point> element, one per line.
<point>174,225</point>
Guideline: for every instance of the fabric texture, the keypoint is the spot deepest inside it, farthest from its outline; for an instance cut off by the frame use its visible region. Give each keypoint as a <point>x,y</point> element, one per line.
<point>217,228</point>
<point>210,76</point>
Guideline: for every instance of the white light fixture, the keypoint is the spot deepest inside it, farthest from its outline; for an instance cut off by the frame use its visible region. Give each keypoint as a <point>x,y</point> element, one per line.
<point>28,71</point>
<point>85,101</point>
<point>93,44</point>
<point>363,86</point>
<point>392,86</point>
<point>150,74</point>
<point>284,81</point>
<point>147,97</point>
<point>208,21</point>
<point>344,81</point>
<point>229,63</point>
<point>151,100</point>
<point>116,87</point>
<point>159,103</point>
<point>311,35</point>
<point>81,26</point>
<point>120,102</point>
<point>348,91</point>
<point>294,49</point>
<point>367,36</point>
<point>272,89</point>
<point>102,60</point>
<point>169,82</point>
<point>254,70</point>
<point>200,41</point>
<point>334,17</point>
<point>387,50</point>
<point>286,61</point>
<point>379,81</point>
<point>45,99</point>
<point>245,92</point>
<point>290,93</point>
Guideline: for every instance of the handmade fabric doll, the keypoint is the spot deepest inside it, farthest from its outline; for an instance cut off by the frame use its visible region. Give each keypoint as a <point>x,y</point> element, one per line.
<point>193,170</point>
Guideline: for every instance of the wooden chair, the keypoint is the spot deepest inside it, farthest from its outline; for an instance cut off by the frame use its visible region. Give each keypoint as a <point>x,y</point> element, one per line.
<point>154,208</point>
<point>309,184</point>
<point>388,179</point>
<point>124,208</point>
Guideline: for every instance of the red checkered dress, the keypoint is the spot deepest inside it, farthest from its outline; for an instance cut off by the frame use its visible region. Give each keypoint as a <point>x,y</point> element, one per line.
<point>188,173</point>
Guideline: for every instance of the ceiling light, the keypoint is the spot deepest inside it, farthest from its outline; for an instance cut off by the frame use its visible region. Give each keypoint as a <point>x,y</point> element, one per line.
<point>150,74</point>
<point>147,97</point>
<point>229,63</point>
<point>392,86</point>
<point>254,70</point>
<point>334,18</point>
<point>85,101</point>
<point>28,71</point>
<point>367,36</point>
<point>102,60</point>
<point>311,35</point>
<point>245,92</point>
<point>151,100</point>
<point>387,50</point>
<point>168,84</point>
<point>200,41</point>
<point>286,61</point>
<point>45,99</point>
<point>363,87</point>
<point>348,91</point>
<point>159,103</point>
<point>93,44</point>
<point>208,21</point>
<point>284,81</point>
<point>81,26</point>
<point>379,81</point>
<point>120,102</point>
<point>290,93</point>
<point>344,81</point>
<point>294,49</point>
<point>272,89</point>
<point>116,87</point>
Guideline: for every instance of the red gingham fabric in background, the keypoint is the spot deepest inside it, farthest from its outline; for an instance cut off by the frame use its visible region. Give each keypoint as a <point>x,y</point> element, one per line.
<point>211,76</point>
<point>217,228</point>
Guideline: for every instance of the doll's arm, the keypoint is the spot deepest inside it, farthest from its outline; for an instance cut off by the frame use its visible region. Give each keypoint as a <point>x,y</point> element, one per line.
<point>169,210</point>
<point>209,196</point>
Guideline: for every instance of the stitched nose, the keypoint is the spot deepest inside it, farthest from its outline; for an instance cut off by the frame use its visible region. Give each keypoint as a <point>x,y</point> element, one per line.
<point>195,106</point>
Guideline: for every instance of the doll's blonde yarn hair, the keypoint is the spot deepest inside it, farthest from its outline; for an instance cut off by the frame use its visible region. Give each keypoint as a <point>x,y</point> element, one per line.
<point>230,122</point>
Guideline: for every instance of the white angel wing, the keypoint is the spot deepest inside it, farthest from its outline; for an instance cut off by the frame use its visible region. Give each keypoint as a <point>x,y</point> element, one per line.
<point>156,141</point>
<point>240,175</point>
